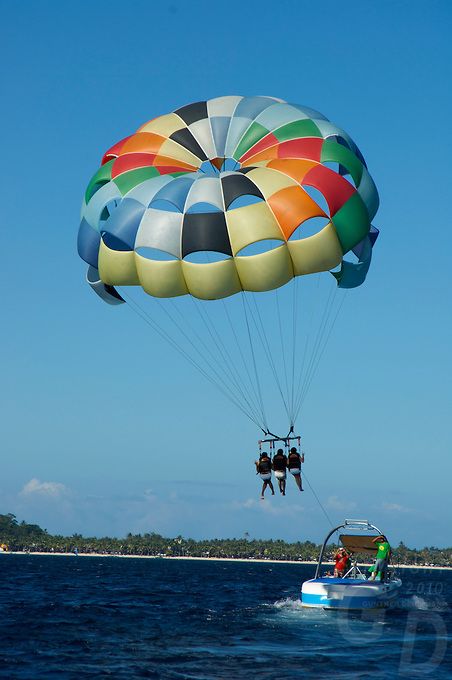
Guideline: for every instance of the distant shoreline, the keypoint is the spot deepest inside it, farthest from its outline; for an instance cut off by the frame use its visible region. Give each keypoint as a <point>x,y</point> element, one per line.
<point>205,559</point>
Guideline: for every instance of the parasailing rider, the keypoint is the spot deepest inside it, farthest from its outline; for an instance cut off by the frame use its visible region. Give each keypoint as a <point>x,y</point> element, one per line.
<point>294,462</point>
<point>280,467</point>
<point>264,469</point>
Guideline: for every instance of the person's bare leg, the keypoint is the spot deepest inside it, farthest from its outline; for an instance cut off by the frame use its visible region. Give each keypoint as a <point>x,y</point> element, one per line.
<point>298,481</point>
<point>264,485</point>
<point>283,487</point>
<point>271,487</point>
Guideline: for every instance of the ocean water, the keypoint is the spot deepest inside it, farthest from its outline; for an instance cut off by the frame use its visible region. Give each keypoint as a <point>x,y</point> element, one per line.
<point>98,617</point>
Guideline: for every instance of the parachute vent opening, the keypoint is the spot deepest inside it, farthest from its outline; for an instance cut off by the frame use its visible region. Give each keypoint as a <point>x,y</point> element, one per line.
<point>114,243</point>
<point>318,197</point>
<point>163,204</point>
<point>203,207</point>
<point>156,254</point>
<point>332,165</point>
<point>244,201</point>
<point>260,247</point>
<point>337,269</point>
<point>350,256</point>
<point>210,167</point>
<point>309,228</point>
<point>347,176</point>
<point>94,189</point>
<point>108,210</point>
<point>206,257</point>
<point>230,165</point>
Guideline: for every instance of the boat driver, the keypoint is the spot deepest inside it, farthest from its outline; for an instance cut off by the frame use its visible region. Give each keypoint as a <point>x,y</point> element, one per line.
<point>382,560</point>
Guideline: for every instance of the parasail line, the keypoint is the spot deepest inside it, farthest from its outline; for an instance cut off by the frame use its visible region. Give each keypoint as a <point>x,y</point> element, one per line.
<point>182,330</point>
<point>308,336</point>
<point>318,339</point>
<point>253,386</point>
<point>221,354</point>
<point>323,349</point>
<point>283,349</point>
<point>314,359</point>
<point>211,367</point>
<point>267,350</point>
<point>254,362</point>
<point>163,334</point>
<point>317,499</point>
<point>294,336</point>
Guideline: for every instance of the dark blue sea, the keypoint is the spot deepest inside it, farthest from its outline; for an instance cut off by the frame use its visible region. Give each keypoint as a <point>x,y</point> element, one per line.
<point>98,617</point>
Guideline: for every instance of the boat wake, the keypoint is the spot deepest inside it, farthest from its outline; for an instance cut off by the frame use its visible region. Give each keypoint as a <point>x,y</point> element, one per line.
<point>289,604</point>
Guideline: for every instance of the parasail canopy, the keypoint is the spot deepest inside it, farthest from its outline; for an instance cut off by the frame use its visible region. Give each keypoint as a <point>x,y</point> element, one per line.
<point>228,198</point>
<point>218,177</point>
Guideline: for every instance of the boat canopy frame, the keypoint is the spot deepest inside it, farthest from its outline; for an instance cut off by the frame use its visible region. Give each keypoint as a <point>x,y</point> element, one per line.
<point>354,524</point>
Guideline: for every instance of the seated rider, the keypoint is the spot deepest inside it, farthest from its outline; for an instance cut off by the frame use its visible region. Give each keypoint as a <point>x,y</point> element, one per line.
<point>264,469</point>
<point>279,466</point>
<point>383,555</point>
<point>342,560</point>
<point>294,462</point>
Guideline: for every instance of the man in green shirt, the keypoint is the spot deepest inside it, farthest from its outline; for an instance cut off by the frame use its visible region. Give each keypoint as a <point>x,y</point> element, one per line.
<point>383,555</point>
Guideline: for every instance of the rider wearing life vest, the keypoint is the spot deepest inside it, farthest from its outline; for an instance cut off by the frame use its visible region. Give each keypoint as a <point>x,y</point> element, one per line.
<point>264,469</point>
<point>294,462</point>
<point>279,467</point>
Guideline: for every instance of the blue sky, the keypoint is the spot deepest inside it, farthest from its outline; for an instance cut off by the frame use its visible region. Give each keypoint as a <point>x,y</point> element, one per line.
<point>105,429</point>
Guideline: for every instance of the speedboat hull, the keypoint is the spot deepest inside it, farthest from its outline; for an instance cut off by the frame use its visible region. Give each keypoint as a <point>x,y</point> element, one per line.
<point>348,593</point>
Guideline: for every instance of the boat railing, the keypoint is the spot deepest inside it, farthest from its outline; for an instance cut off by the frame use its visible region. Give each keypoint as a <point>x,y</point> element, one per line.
<point>355,572</point>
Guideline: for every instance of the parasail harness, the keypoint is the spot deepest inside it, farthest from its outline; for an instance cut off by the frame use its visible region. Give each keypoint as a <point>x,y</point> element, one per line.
<point>273,438</point>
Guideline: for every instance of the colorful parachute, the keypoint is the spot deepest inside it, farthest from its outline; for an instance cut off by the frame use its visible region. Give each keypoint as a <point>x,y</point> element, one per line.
<point>240,183</point>
<point>218,176</point>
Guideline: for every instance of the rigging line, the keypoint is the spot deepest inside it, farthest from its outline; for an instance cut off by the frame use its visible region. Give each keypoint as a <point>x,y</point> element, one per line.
<point>324,333</point>
<point>317,341</point>
<point>294,340</point>
<point>307,380</point>
<point>253,386</point>
<point>208,363</point>
<point>250,399</point>
<point>283,349</point>
<point>137,309</point>
<point>254,361</point>
<point>324,347</point>
<point>308,335</point>
<point>224,389</point>
<point>253,398</point>
<point>218,359</point>
<point>214,358</point>
<point>223,351</point>
<point>318,499</point>
<point>230,366</point>
<point>267,350</point>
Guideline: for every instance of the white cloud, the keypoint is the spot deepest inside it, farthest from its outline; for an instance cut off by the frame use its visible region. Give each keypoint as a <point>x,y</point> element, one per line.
<point>335,503</point>
<point>265,506</point>
<point>394,507</point>
<point>48,489</point>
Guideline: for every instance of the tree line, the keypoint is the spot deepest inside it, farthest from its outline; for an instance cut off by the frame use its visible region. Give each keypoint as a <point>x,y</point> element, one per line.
<point>23,537</point>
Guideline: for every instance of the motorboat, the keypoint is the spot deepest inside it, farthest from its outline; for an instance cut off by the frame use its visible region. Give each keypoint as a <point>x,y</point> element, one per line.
<point>354,590</point>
